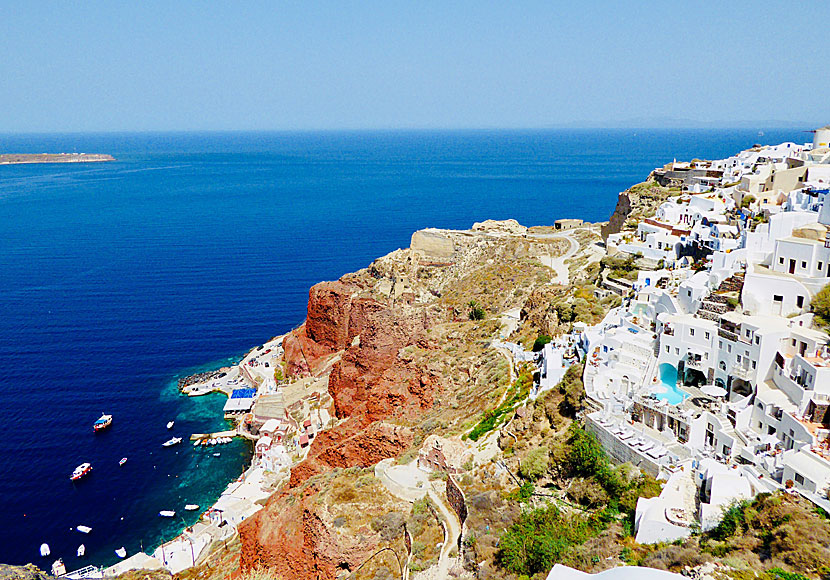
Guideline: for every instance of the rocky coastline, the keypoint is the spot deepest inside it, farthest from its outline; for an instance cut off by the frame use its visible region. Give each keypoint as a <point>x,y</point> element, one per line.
<point>28,158</point>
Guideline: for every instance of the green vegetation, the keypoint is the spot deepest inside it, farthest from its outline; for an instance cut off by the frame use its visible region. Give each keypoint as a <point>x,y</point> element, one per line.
<point>476,312</point>
<point>540,342</point>
<point>543,537</point>
<point>623,268</point>
<point>517,393</point>
<point>820,305</point>
<point>747,201</point>
<point>780,527</point>
<point>535,464</point>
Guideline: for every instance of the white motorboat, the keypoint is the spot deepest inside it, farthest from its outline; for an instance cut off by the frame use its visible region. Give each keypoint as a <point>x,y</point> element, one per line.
<point>191,507</point>
<point>83,529</point>
<point>167,513</point>
<point>171,442</point>
<point>121,552</point>
<point>122,461</point>
<point>81,550</point>
<point>217,454</point>
<point>80,471</point>
<point>197,443</point>
<point>44,550</point>
<point>170,424</point>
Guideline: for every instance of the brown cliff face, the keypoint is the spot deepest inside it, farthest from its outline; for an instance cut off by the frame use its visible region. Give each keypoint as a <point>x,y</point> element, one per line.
<point>325,331</point>
<point>322,529</point>
<point>368,385</point>
<point>633,205</point>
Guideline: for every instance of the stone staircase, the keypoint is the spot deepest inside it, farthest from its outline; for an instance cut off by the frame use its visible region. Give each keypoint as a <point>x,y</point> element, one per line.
<point>716,304</point>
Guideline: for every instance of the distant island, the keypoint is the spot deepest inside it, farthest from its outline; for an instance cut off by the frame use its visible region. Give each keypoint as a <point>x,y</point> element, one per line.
<point>19,158</point>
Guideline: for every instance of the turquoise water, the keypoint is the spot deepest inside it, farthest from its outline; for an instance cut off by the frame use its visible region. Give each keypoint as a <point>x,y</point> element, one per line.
<point>117,278</point>
<point>668,377</point>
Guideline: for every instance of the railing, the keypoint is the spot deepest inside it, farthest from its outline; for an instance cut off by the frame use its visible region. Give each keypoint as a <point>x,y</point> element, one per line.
<point>741,372</point>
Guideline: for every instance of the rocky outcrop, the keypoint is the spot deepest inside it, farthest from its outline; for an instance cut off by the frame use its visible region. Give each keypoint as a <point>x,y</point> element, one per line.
<point>326,330</point>
<point>27,572</point>
<point>369,383</point>
<point>510,226</point>
<point>351,445</point>
<point>634,204</point>
<point>432,244</point>
<point>300,537</point>
<point>539,311</point>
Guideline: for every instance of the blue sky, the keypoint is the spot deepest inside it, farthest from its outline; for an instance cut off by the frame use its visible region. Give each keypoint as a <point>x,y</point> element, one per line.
<point>135,66</point>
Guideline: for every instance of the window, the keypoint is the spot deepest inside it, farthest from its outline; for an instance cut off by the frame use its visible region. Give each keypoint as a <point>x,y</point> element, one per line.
<point>691,332</point>
<point>820,266</point>
<point>803,264</point>
<point>668,349</point>
<point>739,359</point>
<point>676,350</point>
<point>793,341</point>
<point>754,364</point>
<point>746,332</point>
<point>706,335</point>
<point>720,344</point>
<point>781,260</point>
<point>757,339</point>
<point>728,348</point>
<point>799,478</point>
<point>799,301</point>
<point>689,293</point>
<point>777,298</point>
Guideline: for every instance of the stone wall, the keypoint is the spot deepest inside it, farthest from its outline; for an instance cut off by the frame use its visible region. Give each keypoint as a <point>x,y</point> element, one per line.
<point>458,503</point>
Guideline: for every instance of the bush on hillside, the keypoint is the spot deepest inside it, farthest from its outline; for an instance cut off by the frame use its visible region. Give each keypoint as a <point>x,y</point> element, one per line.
<point>820,305</point>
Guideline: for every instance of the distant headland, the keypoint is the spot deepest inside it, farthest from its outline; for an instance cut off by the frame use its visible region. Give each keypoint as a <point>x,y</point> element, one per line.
<point>19,158</point>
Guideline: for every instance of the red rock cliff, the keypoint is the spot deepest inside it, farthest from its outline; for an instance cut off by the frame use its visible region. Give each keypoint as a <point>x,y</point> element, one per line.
<point>369,384</point>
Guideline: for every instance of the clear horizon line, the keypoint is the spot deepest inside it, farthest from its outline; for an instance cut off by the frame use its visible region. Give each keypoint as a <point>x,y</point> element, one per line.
<point>741,125</point>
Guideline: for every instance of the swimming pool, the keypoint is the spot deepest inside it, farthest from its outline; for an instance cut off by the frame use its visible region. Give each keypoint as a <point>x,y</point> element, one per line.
<point>668,389</point>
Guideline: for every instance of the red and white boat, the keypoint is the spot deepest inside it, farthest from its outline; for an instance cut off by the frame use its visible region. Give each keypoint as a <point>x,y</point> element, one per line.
<point>102,423</point>
<point>80,471</point>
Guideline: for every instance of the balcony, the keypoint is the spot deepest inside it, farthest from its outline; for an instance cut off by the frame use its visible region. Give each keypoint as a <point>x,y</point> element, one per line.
<point>741,372</point>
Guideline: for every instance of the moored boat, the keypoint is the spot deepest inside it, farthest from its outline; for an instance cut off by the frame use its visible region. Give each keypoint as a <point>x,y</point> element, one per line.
<point>58,568</point>
<point>83,529</point>
<point>122,461</point>
<point>81,550</point>
<point>44,550</point>
<point>171,442</point>
<point>102,423</point>
<point>80,471</point>
<point>167,513</point>
<point>170,424</point>
<point>191,507</point>
<point>121,552</point>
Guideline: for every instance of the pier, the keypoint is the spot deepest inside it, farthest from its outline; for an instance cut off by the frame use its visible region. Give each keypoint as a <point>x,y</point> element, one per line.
<point>200,436</point>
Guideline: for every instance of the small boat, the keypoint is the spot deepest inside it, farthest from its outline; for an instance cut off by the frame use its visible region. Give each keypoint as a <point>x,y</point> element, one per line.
<point>122,461</point>
<point>217,454</point>
<point>167,513</point>
<point>171,442</point>
<point>81,550</point>
<point>197,443</point>
<point>121,552</point>
<point>170,424</point>
<point>191,507</point>
<point>102,423</point>
<point>58,568</point>
<point>83,529</point>
<point>44,550</point>
<point>80,471</point>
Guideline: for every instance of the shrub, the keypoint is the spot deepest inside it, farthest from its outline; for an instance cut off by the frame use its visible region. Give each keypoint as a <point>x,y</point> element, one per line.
<point>820,305</point>
<point>747,201</point>
<point>541,538</point>
<point>540,342</point>
<point>476,312</point>
<point>535,464</point>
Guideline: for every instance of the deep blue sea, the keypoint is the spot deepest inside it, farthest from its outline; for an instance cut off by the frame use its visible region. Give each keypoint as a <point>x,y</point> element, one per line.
<point>117,278</point>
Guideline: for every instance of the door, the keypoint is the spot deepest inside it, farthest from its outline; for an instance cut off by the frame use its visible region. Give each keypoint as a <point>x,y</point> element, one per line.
<point>792,266</point>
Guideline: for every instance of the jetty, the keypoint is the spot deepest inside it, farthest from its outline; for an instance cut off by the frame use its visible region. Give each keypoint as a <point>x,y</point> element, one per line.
<point>200,436</point>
